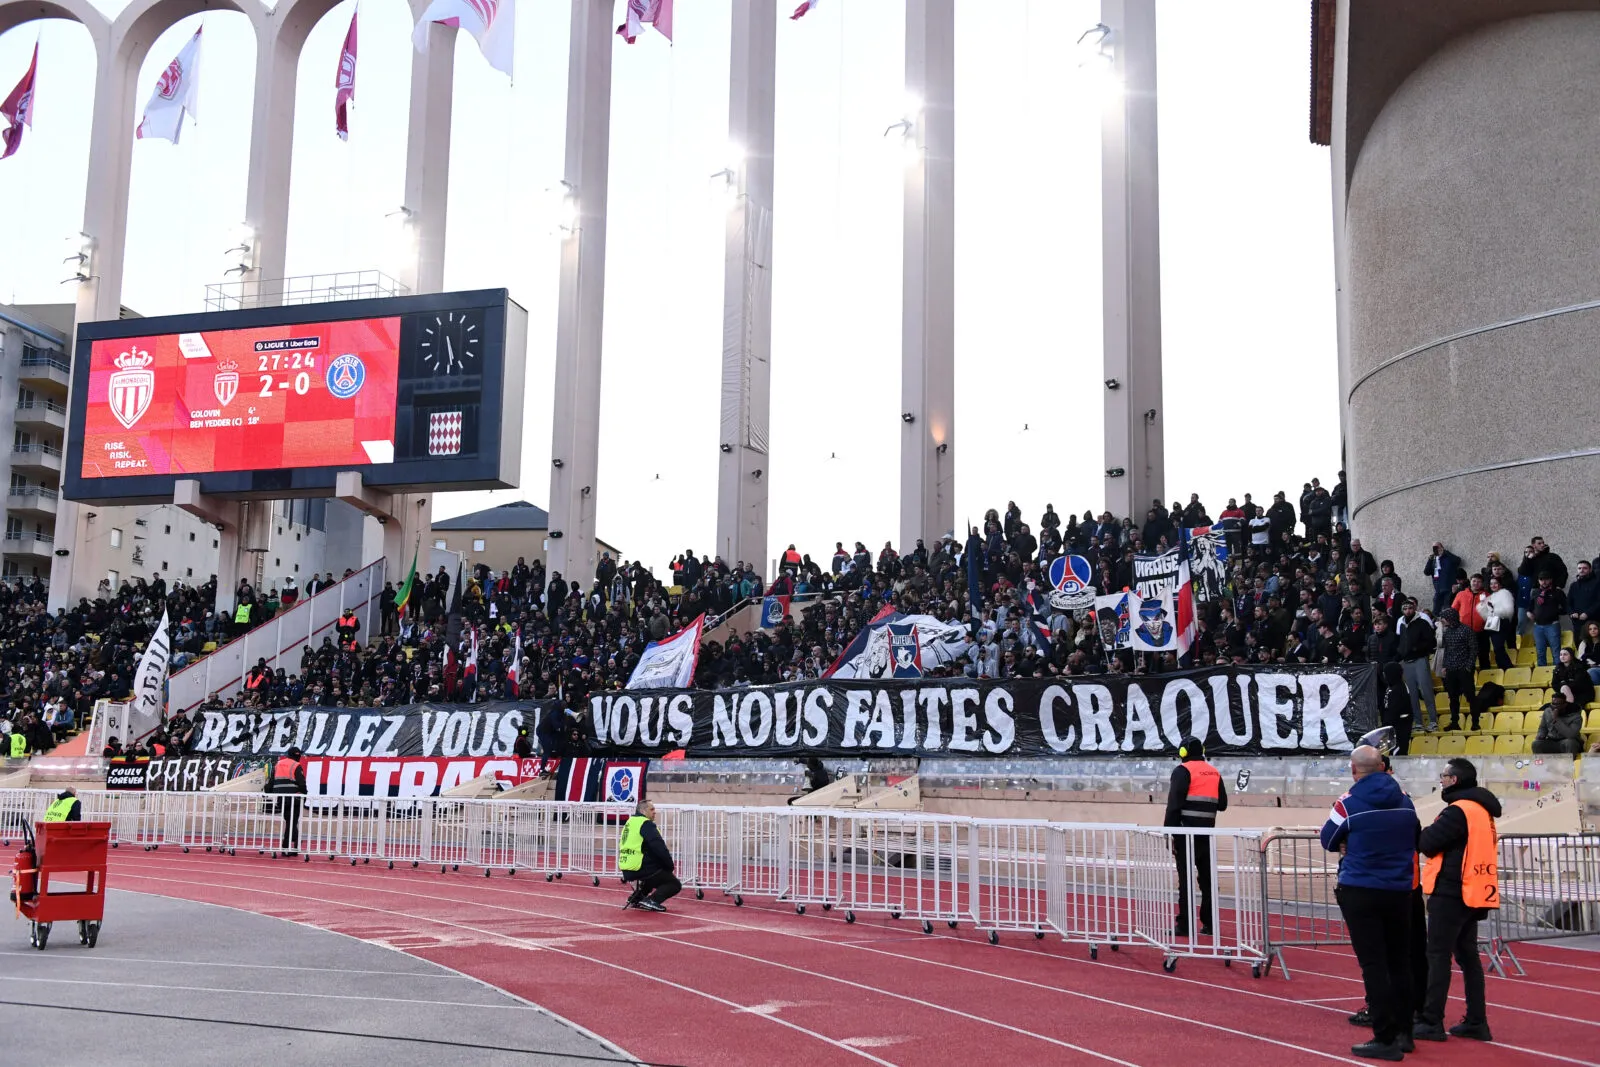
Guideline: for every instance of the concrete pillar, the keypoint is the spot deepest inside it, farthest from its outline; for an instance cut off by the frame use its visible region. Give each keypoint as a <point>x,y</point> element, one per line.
<point>105,222</point>
<point>428,158</point>
<point>1131,250</point>
<point>927,324</point>
<point>575,445</point>
<point>266,199</point>
<point>744,465</point>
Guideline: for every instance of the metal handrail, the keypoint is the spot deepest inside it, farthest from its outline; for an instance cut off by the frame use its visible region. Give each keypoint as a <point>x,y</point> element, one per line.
<point>23,535</point>
<point>34,490</point>
<point>37,446</point>
<point>45,402</point>
<point>46,361</point>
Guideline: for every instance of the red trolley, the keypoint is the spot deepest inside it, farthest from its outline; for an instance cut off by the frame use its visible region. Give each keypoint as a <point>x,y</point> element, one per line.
<point>67,880</point>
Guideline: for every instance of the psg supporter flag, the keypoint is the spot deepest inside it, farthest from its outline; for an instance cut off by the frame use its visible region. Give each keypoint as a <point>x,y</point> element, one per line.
<point>578,779</point>
<point>623,781</point>
<point>773,610</point>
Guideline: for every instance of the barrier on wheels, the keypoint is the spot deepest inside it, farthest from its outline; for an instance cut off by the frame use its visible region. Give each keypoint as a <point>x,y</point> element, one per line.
<point>1549,888</point>
<point>1299,877</point>
<point>1088,884</point>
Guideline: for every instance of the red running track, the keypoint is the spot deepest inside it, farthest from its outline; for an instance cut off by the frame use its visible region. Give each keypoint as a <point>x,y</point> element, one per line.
<point>709,983</point>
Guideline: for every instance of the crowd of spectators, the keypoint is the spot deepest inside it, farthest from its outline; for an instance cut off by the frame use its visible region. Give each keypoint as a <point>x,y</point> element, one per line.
<point>1299,589</point>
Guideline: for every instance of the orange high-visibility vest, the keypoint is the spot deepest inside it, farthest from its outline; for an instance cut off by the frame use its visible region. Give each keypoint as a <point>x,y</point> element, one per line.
<point>1205,790</point>
<point>1480,859</point>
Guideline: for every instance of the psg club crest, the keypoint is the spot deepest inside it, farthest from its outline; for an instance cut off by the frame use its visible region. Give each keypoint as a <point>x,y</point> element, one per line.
<point>1070,581</point>
<point>226,382</point>
<point>444,433</point>
<point>133,387</point>
<point>905,652</point>
<point>346,375</point>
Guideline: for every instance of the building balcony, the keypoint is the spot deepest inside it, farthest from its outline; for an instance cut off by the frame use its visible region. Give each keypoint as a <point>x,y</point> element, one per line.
<point>39,368</point>
<point>34,500</point>
<point>41,412</point>
<point>29,545</point>
<point>36,458</point>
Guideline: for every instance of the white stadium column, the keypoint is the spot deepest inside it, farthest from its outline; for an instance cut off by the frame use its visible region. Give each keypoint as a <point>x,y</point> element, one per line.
<point>927,326</point>
<point>266,199</point>
<point>428,157</point>
<point>744,466</point>
<point>1131,250</point>
<point>575,445</point>
<point>105,230</point>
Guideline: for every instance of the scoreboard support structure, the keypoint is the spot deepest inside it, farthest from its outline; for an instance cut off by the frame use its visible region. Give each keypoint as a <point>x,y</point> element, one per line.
<point>404,517</point>
<point>227,516</point>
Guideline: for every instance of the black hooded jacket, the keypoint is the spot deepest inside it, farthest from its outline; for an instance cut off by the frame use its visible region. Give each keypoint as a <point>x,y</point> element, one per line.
<point>1448,835</point>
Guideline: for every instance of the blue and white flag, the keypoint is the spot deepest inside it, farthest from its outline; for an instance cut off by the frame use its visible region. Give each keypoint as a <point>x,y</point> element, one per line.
<point>773,611</point>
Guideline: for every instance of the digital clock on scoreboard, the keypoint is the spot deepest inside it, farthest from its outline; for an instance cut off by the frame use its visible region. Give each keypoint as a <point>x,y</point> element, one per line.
<point>413,392</point>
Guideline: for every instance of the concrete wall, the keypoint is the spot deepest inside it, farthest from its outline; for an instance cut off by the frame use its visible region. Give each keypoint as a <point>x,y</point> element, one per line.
<point>1473,202</point>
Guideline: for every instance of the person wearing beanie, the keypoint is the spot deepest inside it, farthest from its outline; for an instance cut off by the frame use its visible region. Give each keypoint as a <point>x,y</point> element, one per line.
<point>1195,795</point>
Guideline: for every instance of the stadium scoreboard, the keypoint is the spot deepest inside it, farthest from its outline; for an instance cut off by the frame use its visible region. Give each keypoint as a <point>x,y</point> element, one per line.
<point>415,393</point>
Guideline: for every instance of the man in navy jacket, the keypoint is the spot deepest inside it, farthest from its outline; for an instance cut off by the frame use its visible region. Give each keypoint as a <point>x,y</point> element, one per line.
<point>1375,827</point>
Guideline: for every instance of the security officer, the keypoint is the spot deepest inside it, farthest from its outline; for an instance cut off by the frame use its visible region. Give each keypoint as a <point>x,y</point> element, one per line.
<point>1462,880</point>
<point>288,778</point>
<point>64,808</point>
<point>1375,826</point>
<point>347,627</point>
<point>1194,797</point>
<point>643,857</point>
<point>19,742</point>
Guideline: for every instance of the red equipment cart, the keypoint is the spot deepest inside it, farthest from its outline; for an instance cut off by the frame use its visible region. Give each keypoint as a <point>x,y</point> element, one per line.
<point>68,880</point>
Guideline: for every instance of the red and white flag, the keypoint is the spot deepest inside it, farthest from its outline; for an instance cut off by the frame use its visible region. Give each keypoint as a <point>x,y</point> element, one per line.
<point>18,108</point>
<point>805,7</point>
<point>657,13</point>
<point>469,676</point>
<point>514,669</point>
<point>492,23</point>
<point>177,94</point>
<point>344,81</point>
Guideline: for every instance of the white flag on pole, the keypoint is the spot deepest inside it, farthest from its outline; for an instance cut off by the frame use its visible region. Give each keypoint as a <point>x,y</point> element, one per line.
<point>492,23</point>
<point>177,93</point>
<point>670,663</point>
<point>150,685</point>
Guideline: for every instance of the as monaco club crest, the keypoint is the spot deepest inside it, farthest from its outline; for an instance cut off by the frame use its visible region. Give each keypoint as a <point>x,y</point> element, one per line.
<point>226,382</point>
<point>171,81</point>
<point>132,387</point>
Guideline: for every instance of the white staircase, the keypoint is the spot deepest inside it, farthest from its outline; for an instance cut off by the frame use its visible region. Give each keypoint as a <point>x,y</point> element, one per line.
<point>280,640</point>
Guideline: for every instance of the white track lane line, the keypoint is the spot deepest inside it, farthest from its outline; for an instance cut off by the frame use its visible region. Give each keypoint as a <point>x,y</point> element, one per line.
<point>761,930</point>
<point>522,942</point>
<point>263,992</point>
<point>574,897</point>
<point>234,966</point>
<point>1175,978</point>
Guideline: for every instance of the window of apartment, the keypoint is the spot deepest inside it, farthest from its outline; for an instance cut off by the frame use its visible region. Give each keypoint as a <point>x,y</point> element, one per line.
<point>112,578</point>
<point>10,569</point>
<point>14,528</point>
<point>18,482</point>
<point>440,545</point>
<point>116,537</point>
<point>477,544</point>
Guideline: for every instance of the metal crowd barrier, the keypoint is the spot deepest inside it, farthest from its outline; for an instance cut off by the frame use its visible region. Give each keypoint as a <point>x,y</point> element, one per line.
<point>1088,884</point>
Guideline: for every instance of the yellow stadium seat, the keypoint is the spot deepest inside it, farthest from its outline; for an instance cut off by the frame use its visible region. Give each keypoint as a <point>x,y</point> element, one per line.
<point>1508,722</point>
<point>1566,639</point>
<point>1541,675</point>
<point>1517,677</point>
<point>1530,722</point>
<point>1493,674</point>
<point>209,646</point>
<point>1594,720</point>
<point>1524,656</point>
<point>1509,744</point>
<point>1425,745</point>
<point>1452,744</point>
<point>1521,698</point>
<point>1480,745</point>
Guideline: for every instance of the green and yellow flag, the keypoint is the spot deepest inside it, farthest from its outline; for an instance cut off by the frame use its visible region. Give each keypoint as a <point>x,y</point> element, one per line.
<point>402,599</point>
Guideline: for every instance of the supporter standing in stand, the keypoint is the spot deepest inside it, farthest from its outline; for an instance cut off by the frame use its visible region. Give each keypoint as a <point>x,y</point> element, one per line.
<point>1415,651</point>
<point>1460,652</point>
<point>1375,827</point>
<point>1546,604</point>
<point>1461,878</point>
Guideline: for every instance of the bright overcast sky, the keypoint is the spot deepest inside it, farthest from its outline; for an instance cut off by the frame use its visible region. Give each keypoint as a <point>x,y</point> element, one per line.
<point>1247,265</point>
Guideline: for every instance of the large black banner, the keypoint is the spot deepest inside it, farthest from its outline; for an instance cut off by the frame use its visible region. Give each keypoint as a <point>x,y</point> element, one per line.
<point>1239,710</point>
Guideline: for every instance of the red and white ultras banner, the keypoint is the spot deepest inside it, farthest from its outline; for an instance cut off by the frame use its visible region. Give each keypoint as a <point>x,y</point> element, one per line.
<point>404,776</point>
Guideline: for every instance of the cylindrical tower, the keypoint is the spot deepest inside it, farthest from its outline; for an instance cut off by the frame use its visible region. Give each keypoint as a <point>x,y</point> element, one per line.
<point>1471,227</point>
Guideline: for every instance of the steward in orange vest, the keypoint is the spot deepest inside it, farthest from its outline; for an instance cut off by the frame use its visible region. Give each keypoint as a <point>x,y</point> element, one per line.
<point>1194,796</point>
<point>1462,879</point>
<point>288,776</point>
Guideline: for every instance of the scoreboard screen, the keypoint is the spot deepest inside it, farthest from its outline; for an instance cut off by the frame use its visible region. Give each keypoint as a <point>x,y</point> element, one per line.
<point>411,392</point>
<point>236,400</point>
